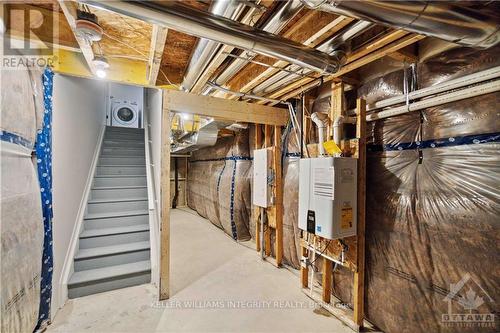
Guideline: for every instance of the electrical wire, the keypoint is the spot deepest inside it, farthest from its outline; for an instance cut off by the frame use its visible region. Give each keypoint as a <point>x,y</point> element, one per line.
<point>323,251</point>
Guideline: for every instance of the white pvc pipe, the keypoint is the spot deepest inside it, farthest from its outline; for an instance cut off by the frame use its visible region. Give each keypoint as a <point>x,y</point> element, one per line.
<point>464,81</point>
<point>458,95</point>
<point>321,124</point>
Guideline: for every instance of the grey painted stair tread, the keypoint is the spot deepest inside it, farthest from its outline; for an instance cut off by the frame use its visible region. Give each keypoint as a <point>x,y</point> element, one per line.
<point>118,176</point>
<point>117,200</point>
<point>110,250</point>
<point>117,187</point>
<point>114,231</point>
<point>109,272</point>
<point>115,214</point>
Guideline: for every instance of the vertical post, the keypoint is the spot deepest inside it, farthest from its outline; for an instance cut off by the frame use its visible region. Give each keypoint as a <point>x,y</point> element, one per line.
<point>278,193</point>
<point>165,207</point>
<point>258,144</point>
<point>337,105</point>
<point>267,231</point>
<point>327,280</point>
<point>304,270</point>
<point>359,275</point>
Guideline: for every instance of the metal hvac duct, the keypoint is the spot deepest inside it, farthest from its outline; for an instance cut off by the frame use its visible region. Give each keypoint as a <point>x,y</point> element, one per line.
<point>278,21</point>
<point>446,20</point>
<point>333,45</point>
<point>179,17</point>
<point>205,49</point>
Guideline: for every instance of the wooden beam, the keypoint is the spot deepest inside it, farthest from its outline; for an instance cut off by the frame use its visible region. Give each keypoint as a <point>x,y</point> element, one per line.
<point>224,109</point>
<point>278,194</point>
<point>164,288</point>
<point>326,280</point>
<point>69,10</point>
<point>359,274</point>
<point>158,39</point>
<point>404,56</point>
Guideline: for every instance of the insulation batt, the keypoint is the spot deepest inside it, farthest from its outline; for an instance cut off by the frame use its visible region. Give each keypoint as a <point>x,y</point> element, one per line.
<point>219,184</point>
<point>432,212</point>
<point>21,213</point>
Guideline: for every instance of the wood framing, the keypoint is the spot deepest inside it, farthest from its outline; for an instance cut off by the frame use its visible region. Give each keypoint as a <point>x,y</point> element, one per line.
<point>257,209</point>
<point>359,274</point>
<point>352,248</point>
<point>384,46</point>
<point>164,288</point>
<point>224,109</point>
<point>267,231</point>
<point>158,39</point>
<point>69,10</point>
<point>278,195</point>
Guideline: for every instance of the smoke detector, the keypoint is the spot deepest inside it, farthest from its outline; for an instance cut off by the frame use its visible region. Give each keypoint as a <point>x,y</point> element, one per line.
<point>87,26</point>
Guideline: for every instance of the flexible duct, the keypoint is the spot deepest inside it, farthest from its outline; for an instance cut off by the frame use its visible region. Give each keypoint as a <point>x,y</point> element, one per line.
<point>182,18</point>
<point>447,20</point>
<point>205,49</point>
<point>278,21</point>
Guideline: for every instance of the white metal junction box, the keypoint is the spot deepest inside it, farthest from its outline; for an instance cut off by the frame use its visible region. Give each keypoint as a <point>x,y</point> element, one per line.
<point>262,177</point>
<point>328,196</point>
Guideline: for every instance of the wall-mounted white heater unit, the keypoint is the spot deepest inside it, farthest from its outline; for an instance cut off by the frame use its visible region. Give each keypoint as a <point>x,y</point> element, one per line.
<point>328,196</point>
<point>262,177</point>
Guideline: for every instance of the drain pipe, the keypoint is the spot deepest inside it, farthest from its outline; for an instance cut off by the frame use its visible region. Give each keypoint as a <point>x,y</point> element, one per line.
<point>182,18</point>
<point>447,20</point>
<point>321,121</point>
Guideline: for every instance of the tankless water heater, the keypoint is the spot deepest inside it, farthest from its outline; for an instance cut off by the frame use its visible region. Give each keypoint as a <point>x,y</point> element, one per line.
<point>328,196</point>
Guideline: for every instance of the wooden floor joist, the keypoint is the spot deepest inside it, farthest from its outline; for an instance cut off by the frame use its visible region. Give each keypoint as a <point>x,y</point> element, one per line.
<point>380,48</point>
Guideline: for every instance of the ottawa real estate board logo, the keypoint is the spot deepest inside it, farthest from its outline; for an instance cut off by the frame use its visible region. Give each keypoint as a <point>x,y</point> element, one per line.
<point>468,305</point>
<point>28,33</point>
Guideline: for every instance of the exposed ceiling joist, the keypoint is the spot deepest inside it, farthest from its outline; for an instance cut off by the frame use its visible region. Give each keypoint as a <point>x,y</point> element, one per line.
<point>69,10</point>
<point>379,49</point>
<point>158,39</point>
<point>315,39</point>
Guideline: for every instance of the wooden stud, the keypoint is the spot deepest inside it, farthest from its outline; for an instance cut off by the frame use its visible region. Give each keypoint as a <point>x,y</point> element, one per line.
<point>258,144</point>
<point>267,231</point>
<point>158,39</point>
<point>359,275</point>
<point>304,270</point>
<point>327,280</point>
<point>337,105</point>
<point>278,193</point>
<point>165,207</point>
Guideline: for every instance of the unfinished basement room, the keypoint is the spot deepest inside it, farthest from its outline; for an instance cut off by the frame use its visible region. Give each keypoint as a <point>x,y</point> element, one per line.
<point>250,166</point>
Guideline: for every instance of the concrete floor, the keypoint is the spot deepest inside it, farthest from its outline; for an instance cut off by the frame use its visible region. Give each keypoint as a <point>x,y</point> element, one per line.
<point>218,286</point>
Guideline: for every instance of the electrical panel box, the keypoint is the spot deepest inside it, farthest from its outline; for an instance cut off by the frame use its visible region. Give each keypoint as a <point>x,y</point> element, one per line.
<point>328,196</point>
<point>262,177</point>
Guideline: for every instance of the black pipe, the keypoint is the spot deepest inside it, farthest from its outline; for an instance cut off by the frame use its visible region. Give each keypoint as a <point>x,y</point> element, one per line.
<point>176,183</point>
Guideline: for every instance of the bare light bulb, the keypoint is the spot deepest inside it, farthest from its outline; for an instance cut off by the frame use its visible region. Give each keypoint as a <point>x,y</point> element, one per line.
<point>101,73</point>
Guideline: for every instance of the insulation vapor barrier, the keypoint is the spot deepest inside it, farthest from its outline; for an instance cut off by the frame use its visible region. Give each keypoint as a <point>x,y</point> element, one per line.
<point>21,212</point>
<point>219,184</point>
<point>433,204</point>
